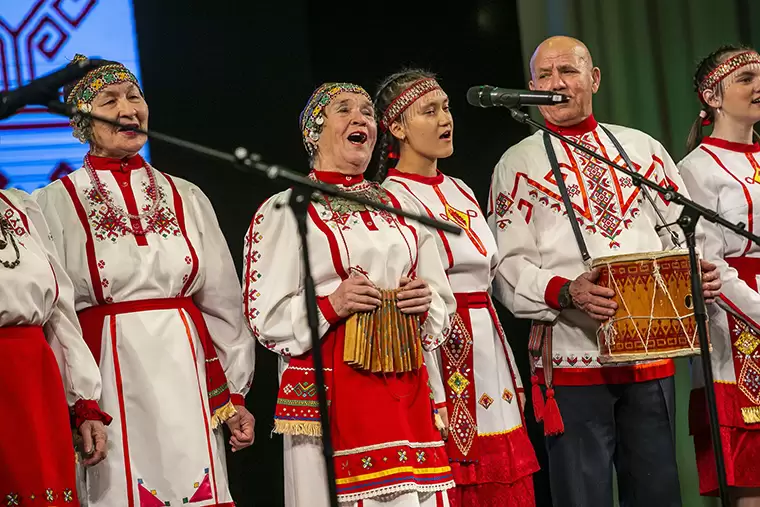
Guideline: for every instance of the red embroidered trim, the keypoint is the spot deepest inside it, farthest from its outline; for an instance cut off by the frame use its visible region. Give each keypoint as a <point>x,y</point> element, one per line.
<point>336,178</point>
<point>732,146</point>
<point>88,410</point>
<point>328,312</point>
<point>578,129</point>
<point>551,294</point>
<point>427,180</point>
<point>116,164</point>
<point>237,399</point>
<point>609,374</point>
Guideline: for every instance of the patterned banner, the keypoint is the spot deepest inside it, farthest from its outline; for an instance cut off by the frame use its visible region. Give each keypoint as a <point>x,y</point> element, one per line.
<point>38,37</point>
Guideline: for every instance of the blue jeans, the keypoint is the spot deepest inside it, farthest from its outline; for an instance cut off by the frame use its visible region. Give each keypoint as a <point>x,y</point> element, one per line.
<point>630,425</point>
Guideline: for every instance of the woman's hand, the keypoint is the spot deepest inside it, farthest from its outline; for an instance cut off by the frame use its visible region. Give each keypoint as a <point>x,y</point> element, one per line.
<point>444,413</point>
<point>355,294</point>
<point>415,296</point>
<point>94,439</point>
<point>241,427</point>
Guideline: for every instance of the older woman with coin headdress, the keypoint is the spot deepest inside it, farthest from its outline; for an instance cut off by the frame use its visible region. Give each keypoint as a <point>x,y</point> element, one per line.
<point>159,302</point>
<point>382,298</point>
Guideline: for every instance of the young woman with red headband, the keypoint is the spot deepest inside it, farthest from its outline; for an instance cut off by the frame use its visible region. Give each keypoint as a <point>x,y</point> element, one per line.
<point>722,172</point>
<point>480,392</point>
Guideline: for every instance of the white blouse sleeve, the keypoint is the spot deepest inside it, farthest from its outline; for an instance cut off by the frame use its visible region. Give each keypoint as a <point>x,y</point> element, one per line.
<point>735,291</point>
<point>430,268</point>
<point>79,368</point>
<point>520,283</point>
<point>434,367</point>
<point>273,293</point>
<point>220,299</point>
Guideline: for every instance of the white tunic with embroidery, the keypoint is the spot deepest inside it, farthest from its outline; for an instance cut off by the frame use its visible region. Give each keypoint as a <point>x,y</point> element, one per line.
<point>344,239</point>
<point>38,292</point>
<point>162,448</point>
<point>538,249</point>
<point>725,177</point>
<point>478,367</point>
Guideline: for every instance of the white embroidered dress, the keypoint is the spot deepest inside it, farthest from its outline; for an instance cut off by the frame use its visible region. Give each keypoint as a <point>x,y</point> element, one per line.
<point>383,433</point>
<point>162,446</point>
<point>725,177</point>
<point>487,442</point>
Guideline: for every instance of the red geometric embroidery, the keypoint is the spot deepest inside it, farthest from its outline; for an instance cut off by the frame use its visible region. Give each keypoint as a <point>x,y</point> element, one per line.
<point>148,497</point>
<point>202,490</point>
<point>164,221</point>
<point>503,203</point>
<point>457,358</point>
<point>485,401</point>
<point>105,223</point>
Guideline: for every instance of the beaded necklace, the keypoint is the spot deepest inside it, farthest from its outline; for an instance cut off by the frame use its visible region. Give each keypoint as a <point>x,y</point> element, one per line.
<point>102,193</point>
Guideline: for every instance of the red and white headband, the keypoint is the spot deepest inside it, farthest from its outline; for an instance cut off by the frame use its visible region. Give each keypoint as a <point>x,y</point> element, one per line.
<point>408,97</point>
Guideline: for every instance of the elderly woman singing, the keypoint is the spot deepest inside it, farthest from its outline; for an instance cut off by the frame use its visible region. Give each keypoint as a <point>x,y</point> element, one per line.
<point>159,302</point>
<point>382,298</point>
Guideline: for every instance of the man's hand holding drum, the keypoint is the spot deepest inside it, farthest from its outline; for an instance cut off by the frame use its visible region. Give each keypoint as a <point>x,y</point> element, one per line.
<point>590,298</point>
<point>595,300</point>
<point>711,283</point>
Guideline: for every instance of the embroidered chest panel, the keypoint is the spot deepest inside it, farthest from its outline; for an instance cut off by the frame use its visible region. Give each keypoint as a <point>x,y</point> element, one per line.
<point>345,214</point>
<point>109,224</point>
<point>605,202</point>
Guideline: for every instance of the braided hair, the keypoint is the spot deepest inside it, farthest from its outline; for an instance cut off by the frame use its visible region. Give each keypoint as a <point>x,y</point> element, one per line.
<point>391,87</point>
<point>704,68</point>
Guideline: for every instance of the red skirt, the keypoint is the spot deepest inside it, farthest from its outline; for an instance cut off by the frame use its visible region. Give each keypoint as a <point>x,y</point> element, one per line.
<point>518,494</point>
<point>384,437</point>
<point>36,450</point>
<point>741,446</point>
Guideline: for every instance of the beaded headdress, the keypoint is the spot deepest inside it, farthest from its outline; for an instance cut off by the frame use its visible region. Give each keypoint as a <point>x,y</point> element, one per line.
<point>86,89</point>
<point>312,117</point>
<point>726,69</point>
<point>407,98</point>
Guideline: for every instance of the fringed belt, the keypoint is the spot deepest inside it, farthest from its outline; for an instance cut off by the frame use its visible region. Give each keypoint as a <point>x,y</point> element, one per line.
<point>540,347</point>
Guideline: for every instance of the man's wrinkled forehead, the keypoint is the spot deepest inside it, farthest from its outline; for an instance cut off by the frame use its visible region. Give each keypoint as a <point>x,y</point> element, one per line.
<point>555,52</point>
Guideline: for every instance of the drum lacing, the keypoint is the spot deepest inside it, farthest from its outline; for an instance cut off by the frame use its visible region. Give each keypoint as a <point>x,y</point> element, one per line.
<point>608,329</point>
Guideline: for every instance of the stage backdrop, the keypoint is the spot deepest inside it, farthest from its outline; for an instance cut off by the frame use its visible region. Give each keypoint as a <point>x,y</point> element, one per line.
<point>37,37</point>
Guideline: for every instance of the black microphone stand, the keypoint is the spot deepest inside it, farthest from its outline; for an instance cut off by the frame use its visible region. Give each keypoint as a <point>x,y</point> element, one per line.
<point>690,214</point>
<point>304,191</point>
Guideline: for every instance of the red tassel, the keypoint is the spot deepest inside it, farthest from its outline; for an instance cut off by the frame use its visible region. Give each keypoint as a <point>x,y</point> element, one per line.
<point>553,423</point>
<point>538,399</point>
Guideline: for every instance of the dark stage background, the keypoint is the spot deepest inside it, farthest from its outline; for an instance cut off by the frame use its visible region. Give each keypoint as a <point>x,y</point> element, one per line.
<point>228,76</point>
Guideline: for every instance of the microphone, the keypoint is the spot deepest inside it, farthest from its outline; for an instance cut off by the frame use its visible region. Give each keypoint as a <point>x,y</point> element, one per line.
<point>489,96</point>
<point>43,90</point>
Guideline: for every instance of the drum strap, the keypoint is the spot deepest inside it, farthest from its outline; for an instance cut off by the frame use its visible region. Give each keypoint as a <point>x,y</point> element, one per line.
<point>629,164</point>
<point>566,198</point>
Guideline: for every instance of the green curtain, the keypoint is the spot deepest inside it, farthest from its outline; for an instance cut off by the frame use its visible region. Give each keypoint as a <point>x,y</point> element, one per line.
<point>647,51</point>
